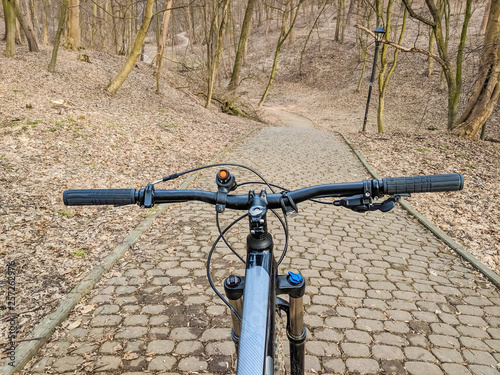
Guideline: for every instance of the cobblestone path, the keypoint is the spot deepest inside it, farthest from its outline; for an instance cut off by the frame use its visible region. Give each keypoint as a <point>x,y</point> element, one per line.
<point>383,294</point>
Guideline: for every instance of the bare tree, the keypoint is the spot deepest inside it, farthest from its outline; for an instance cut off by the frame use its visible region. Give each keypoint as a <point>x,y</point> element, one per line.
<point>485,16</point>
<point>487,88</point>
<point>45,21</point>
<point>440,24</point>
<point>235,76</point>
<point>352,6</point>
<point>383,79</point>
<point>57,41</point>
<point>161,51</point>
<point>281,39</point>
<point>214,44</point>
<point>117,82</point>
<point>73,41</point>
<point>25,26</point>
<point>10,30</point>
<point>309,35</point>
<point>340,24</point>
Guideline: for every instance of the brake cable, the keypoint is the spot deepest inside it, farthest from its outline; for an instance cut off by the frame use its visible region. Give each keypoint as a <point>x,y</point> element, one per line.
<point>224,238</point>
<point>210,257</point>
<point>177,175</point>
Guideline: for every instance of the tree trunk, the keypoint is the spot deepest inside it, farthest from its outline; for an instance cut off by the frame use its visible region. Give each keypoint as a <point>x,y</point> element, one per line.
<point>380,112</point>
<point>430,60</point>
<point>487,8</point>
<point>309,36</point>
<point>339,20</point>
<point>157,34</point>
<point>487,88</point>
<point>57,41</point>
<point>235,76</point>
<point>26,27</point>
<point>34,17</point>
<point>383,78</point>
<point>452,74</point>
<point>104,12</point>
<point>94,25</point>
<point>45,8</point>
<point>217,31</point>
<point>358,88</point>
<point>73,41</point>
<point>194,36</point>
<point>5,22</point>
<point>123,17</point>
<point>20,37</point>
<point>352,6</point>
<point>130,26</point>
<point>114,17</point>
<point>136,50</point>
<point>282,38</point>
<point>166,18</point>
<point>10,31</point>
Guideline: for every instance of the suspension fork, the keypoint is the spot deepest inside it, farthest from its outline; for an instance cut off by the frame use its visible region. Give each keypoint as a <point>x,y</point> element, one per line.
<point>294,285</point>
<point>291,284</point>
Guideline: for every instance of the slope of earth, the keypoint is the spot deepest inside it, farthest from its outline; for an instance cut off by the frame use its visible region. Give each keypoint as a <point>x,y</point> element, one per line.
<point>64,131</point>
<point>415,142</point>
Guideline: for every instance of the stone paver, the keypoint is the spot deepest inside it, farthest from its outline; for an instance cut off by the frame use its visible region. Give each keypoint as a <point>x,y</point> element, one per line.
<point>383,295</point>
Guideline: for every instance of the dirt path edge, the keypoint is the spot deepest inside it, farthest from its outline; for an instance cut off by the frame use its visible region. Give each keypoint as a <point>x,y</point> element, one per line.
<point>478,265</point>
<point>42,332</point>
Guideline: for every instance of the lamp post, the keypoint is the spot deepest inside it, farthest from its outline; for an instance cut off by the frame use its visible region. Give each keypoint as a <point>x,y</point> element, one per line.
<point>379,35</point>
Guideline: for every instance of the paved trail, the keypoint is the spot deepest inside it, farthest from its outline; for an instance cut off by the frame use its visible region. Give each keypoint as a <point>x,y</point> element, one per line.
<point>383,295</point>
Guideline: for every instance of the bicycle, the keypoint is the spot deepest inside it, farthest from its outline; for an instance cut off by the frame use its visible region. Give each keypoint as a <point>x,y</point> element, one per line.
<point>253,299</point>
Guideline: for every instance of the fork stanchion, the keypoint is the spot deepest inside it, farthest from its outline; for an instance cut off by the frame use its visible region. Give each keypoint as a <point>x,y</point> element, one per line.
<point>233,287</point>
<point>296,333</point>
<point>236,331</point>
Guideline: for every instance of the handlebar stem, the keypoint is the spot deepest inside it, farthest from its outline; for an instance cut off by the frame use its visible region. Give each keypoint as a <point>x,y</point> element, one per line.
<point>257,214</point>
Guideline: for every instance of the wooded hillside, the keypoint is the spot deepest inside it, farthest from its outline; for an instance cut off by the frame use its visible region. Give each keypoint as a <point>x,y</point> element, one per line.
<point>457,42</point>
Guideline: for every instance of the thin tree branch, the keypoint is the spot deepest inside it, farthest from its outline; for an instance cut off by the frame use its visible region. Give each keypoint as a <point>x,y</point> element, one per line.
<point>174,8</point>
<point>404,49</point>
<point>417,16</point>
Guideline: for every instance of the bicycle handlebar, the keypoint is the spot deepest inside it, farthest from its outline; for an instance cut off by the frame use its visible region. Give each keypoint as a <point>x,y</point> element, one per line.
<point>396,185</point>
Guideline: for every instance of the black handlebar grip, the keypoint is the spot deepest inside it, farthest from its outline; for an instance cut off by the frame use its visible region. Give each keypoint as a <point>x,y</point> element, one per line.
<point>423,184</point>
<point>89,197</point>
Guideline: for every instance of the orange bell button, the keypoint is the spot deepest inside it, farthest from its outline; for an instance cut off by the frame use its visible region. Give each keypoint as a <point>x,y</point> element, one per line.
<point>223,176</point>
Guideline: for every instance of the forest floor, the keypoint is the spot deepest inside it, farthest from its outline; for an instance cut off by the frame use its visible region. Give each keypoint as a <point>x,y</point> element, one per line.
<point>64,131</point>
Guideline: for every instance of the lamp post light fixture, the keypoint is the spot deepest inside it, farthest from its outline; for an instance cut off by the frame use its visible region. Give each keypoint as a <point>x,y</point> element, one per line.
<point>379,35</point>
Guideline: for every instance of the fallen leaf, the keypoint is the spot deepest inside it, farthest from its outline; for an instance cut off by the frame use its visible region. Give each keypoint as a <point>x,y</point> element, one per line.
<point>129,356</point>
<point>87,309</point>
<point>75,324</point>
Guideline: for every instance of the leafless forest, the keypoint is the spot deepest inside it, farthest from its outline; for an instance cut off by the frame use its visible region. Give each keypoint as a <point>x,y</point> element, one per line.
<point>457,39</point>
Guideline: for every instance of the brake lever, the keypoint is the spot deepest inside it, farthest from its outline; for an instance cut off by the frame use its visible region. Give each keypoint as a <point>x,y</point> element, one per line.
<point>389,203</point>
<point>361,203</point>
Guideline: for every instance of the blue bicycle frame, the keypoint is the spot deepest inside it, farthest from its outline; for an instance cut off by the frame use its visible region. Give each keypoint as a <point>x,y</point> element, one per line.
<point>256,349</point>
